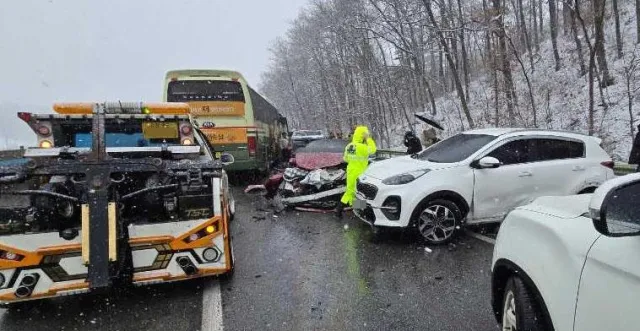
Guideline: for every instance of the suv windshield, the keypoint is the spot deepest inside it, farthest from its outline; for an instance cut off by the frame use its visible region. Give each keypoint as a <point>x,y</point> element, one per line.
<point>456,148</point>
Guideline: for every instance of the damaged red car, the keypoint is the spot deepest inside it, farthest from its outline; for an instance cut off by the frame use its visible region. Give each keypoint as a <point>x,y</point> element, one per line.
<point>315,177</point>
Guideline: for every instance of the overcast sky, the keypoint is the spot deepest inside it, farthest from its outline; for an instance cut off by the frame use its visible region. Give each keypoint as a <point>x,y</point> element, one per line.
<point>94,50</point>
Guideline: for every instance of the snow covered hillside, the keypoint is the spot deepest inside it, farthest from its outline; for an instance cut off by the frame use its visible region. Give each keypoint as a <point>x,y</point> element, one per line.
<point>561,97</point>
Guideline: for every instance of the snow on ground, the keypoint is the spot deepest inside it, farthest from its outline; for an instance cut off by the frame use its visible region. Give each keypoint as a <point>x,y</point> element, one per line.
<point>561,97</point>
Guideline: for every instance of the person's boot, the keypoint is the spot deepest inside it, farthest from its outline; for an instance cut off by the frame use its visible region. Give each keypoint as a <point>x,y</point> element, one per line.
<point>340,210</point>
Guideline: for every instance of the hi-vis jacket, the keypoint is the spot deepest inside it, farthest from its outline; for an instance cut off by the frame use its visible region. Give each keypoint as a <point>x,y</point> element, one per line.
<point>356,154</point>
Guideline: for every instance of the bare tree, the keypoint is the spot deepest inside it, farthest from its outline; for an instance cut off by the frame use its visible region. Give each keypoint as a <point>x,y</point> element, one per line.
<point>553,26</point>
<point>616,16</point>
<point>630,72</point>
<point>505,66</point>
<point>570,4</point>
<point>534,27</point>
<point>598,20</point>
<point>637,21</point>
<point>452,64</point>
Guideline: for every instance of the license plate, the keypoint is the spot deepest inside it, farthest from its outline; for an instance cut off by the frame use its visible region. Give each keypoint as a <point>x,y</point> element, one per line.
<point>226,136</point>
<point>160,130</point>
<point>359,204</point>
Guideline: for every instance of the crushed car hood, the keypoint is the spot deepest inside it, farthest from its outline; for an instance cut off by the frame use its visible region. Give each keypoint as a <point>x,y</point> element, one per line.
<point>399,165</point>
<point>565,207</point>
<point>320,160</point>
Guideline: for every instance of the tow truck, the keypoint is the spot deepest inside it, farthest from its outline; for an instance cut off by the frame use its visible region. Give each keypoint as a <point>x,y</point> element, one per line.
<point>116,194</point>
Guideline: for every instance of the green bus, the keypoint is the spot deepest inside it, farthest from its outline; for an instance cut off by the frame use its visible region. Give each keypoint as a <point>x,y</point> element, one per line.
<point>232,115</point>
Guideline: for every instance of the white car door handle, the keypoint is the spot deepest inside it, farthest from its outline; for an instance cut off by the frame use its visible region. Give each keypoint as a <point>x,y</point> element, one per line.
<point>525,174</point>
<point>579,168</point>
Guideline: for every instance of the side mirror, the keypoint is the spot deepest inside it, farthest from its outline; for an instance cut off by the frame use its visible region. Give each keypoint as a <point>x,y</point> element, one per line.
<point>227,159</point>
<point>614,207</point>
<point>486,162</point>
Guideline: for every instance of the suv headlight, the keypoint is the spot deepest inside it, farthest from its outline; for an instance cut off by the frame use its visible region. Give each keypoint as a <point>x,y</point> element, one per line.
<point>406,177</point>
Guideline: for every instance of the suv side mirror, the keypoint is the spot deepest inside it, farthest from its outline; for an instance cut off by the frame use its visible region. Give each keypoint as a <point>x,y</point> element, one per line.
<point>614,207</point>
<point>227,159</point>
<point>486,162</point>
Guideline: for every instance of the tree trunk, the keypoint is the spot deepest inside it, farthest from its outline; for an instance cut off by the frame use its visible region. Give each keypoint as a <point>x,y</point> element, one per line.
<point>452,65</point>
<point>576,38</point>
<point>553,27</point>
<point>616,15</point>
<point>566,17</point>
<point>525,34</point>
<point>591,113</point>
<point>630,106</point>
<point>598,19</point>
<point>534,27</point>
<point>463,49</point>
<point>504,60</point>
<point>637,21</point>
<point>541,18</point>
<point>526,77</point>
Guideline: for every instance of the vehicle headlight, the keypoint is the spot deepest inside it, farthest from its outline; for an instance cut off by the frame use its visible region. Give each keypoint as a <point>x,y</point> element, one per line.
<point>406,177</point>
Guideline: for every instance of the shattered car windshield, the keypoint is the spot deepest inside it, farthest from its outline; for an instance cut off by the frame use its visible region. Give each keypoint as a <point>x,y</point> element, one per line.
<point>456,148</point>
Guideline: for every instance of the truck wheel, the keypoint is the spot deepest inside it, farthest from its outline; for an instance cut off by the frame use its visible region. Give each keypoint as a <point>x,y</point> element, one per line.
<point>520,310</point>
<point>438,221</point>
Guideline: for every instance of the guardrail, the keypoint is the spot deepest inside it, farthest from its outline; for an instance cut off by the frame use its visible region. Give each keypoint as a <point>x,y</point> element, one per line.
<point>620,168</point>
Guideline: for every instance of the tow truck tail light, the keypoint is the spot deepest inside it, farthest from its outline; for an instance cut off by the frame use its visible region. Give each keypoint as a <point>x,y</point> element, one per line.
<point>25,116</point>
<point>45,144</point>
<point>186,129</point>
<point>609,164</point>
<point>5,255</point>
<point>44,130</point>
<point>251,145</point>
<point>212,228</point>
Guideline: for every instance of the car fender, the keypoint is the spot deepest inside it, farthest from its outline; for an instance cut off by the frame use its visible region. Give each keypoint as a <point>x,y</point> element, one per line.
<point>550,251</point>
<point>458,180</point>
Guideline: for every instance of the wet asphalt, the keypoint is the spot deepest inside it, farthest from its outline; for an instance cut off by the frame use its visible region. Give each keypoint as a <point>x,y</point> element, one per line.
<point>300,271</point>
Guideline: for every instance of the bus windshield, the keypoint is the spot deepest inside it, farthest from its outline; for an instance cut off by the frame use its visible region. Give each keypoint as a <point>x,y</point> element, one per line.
<point>204,90</point>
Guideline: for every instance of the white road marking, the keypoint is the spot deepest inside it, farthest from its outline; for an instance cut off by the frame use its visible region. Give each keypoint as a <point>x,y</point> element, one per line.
<point>211,306</point>
<point>481,237</point>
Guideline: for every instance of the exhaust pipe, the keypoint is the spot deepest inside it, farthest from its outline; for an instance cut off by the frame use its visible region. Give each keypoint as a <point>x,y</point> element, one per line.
<point>30,280</point>
<point>23,292</point>
<point>187,266</point>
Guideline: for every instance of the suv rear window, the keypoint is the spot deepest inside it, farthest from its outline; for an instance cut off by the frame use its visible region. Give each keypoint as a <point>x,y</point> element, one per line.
<point>538,149</point>
<point>558,149</point>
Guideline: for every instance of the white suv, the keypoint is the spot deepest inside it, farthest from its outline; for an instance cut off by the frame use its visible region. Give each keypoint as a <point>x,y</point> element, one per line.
<point>478,176</point>
<point>571,263</point>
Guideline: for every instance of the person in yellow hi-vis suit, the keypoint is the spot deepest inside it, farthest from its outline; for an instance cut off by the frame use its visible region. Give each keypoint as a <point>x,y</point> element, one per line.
<point>356,154</point>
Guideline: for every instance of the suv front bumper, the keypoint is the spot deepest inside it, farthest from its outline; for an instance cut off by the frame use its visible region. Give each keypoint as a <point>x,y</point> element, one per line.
<point>378,204</point>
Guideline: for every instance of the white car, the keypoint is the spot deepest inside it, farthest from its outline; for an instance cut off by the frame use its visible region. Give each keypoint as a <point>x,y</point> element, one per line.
<point>571,263</point>
<point>477,177</point>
